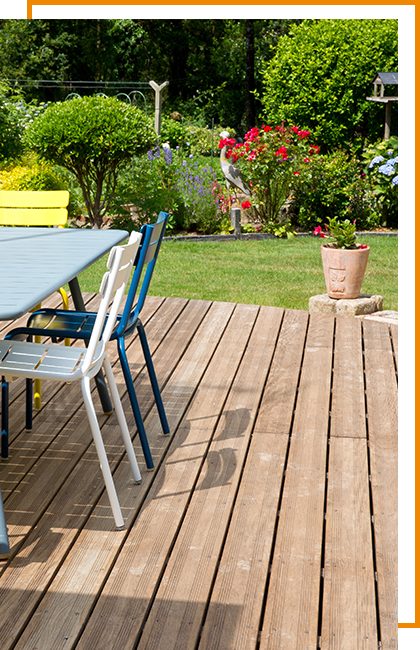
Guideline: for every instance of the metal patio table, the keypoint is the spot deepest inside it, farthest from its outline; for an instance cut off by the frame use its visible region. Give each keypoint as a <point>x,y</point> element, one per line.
<point>34,263</point>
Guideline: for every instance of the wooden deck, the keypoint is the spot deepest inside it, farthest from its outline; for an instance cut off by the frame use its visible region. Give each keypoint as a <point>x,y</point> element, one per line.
<point>270,520</point>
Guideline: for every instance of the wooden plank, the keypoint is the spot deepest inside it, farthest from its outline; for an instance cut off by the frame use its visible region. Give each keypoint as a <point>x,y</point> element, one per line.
<point>233,617</point>
<point>348,396</point>
<point>81,577</point>
<point>349,605</point>
<point>234,613</point>
<point>291,615</point>
<point>278,401</point>
<point>196,548</point>
<point>382,410</point>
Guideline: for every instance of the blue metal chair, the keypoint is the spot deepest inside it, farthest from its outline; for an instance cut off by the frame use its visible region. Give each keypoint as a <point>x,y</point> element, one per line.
<point>59,323</point>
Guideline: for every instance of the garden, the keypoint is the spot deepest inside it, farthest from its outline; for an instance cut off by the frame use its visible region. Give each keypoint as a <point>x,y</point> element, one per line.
<point>316,161</point>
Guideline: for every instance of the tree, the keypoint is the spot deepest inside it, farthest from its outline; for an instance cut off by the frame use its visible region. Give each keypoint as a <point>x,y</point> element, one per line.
<point>322,72</point>
<point>205,61</point>
<point>250,75</point>
<point>93,138</point>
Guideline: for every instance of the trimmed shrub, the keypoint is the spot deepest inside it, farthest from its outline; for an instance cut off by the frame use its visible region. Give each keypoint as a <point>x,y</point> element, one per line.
<point>93,138</point>
<point>322,72</point>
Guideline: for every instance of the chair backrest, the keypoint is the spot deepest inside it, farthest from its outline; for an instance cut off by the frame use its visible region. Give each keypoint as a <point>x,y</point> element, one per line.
<point>152,235</point>
<point>32,208</point>
<point>114,282</point>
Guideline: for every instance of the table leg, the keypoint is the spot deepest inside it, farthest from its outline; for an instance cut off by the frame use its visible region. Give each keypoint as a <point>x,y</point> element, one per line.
<point>79,305</point>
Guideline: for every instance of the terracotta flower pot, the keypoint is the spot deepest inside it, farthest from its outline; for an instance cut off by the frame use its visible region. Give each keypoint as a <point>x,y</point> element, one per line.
<point>344,270</point>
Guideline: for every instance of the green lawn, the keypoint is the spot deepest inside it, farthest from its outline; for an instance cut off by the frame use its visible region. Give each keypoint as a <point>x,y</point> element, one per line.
<point>278,272</point>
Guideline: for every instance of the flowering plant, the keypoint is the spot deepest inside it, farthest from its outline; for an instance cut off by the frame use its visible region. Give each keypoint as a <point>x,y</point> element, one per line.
<point>269,159</point>
<point>201,195</point>
<point>382,176</point>
<point>342,234</point>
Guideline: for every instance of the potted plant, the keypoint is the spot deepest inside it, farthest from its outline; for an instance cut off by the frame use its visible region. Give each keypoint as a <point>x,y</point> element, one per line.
<point>343,259</point>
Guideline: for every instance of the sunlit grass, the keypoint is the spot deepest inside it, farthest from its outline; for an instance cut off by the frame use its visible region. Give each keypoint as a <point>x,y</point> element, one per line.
<point>277,272</point>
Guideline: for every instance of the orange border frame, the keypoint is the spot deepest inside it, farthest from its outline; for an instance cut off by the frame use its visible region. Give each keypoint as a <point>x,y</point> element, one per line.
<point>32,3</point>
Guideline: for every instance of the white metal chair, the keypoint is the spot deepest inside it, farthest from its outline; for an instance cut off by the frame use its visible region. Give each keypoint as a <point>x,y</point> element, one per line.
<point>68,364</point>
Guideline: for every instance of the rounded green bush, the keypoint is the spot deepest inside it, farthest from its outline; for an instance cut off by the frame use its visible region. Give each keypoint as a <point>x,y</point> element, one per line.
<point>92,137</point>
<point>321,74</point>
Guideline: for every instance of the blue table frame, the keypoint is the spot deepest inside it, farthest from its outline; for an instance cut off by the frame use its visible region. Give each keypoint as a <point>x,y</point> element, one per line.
<point>34,263</point>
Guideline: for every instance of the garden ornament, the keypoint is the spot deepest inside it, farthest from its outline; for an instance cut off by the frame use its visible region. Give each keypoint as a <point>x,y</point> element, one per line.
<point>231,173</point>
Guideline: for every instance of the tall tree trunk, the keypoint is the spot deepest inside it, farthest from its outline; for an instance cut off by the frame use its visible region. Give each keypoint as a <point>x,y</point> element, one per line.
<point>249,75</point>
<point>98,50</point>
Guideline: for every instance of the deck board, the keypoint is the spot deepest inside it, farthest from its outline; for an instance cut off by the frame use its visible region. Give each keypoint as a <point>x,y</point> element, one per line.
<point>255,528</point>
<point>291,616</point>
<point>382,410</point>
<point>348,609</point>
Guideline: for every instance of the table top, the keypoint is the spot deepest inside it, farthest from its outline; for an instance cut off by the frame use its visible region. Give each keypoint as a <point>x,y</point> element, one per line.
<point>35,262</point>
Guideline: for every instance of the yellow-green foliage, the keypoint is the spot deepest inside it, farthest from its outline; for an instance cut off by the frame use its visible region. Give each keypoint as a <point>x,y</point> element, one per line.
<point>30,173</point>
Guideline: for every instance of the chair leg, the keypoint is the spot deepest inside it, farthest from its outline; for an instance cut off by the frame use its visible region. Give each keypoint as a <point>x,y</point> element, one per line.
<point>29,391</point>
<point>4,418</point>
<point>103,460</point>
<point>122,421</point>
<point>37,389</point>
<point>153,380</point>
<point>134,404</point>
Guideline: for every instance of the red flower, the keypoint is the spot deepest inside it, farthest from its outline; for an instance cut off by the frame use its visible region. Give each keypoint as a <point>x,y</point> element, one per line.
<point>281,151</point>
<point>363,246</point>
<point>246,205</point>
<point>267,128</point>
<point>252,134</point>
<point>295,129</point>
<point>296,174</point>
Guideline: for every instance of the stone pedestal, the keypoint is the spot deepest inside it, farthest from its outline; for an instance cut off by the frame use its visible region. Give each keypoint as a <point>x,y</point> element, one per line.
<point>360,306</point>
<point>387,316</point>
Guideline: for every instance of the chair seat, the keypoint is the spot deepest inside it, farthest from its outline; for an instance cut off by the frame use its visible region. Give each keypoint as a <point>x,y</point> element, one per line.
<point>62,324</point>
<point>72,322</point>
<point>39,360</point>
